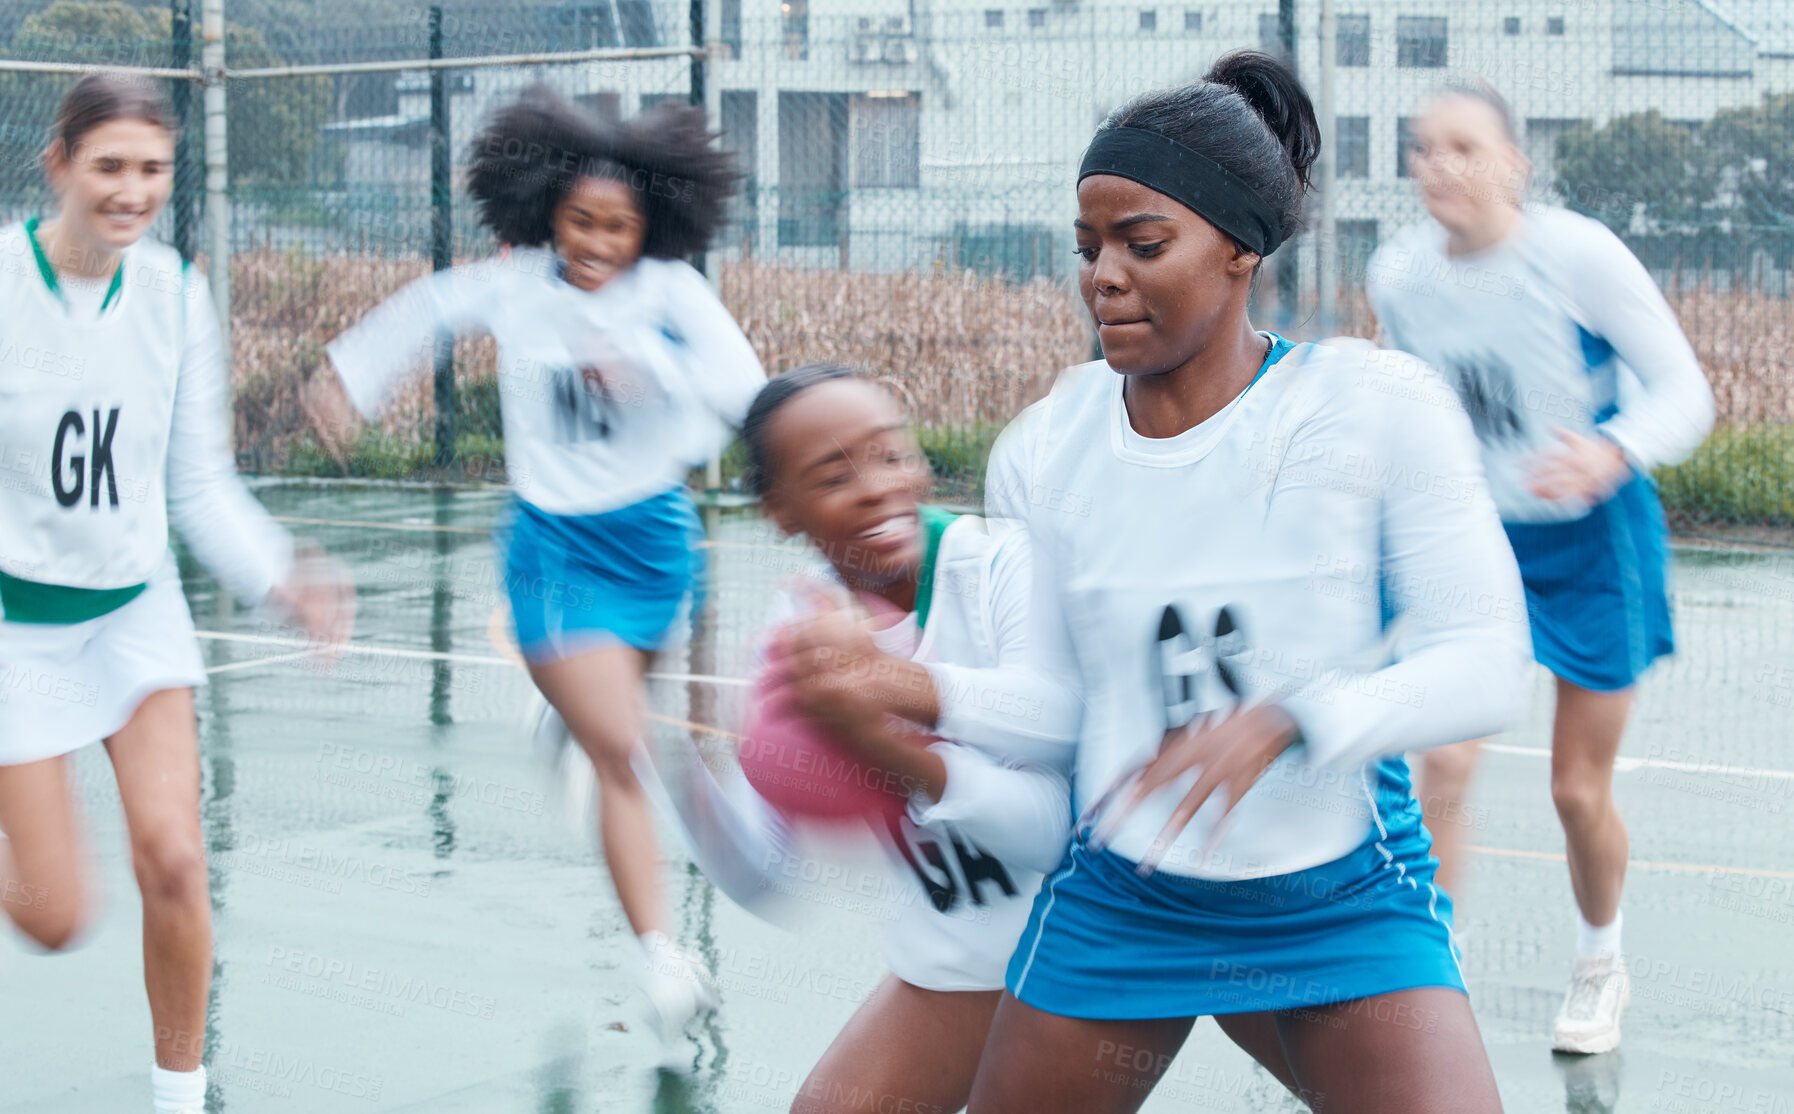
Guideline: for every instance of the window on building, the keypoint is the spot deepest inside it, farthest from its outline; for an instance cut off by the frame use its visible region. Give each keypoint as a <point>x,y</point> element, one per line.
<point>1510,25</point>
<point>1356,242</point>
<point>741,138</point>
<point>605,106</point>
<point>741,132</point>
<point>1018,252</point>
<point>812,168</point>
<point>797,28</point>
<point>887,140</point>
<point>649,100</point>
<point>636,18</point>
<point>1192,23</point>
<point>1351,39</point>
<point>367,95</point>
<point>1149,20</point>
<point>1540,145</point>
<point>1351,136</point>
<point>597,25</point>
<point>1270,38</point>
<point>729,26</point>
<point>1404,144</point>
<point>1420,41</point>
<point>1036,18</point>
<point>993,17</point>
<point>1554,25</point>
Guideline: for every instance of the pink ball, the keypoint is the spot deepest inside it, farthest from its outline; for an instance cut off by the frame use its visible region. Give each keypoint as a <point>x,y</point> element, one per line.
<point>799,770</point>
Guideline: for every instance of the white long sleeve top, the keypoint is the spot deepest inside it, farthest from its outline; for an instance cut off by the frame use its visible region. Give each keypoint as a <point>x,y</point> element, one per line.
<point>114,425</point>
<point>1256,557</point>
<point>677,368</point>
<point>1558,326</point>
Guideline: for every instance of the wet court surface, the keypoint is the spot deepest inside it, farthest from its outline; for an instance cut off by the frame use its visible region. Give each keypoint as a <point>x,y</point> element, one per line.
<point>404,924</point>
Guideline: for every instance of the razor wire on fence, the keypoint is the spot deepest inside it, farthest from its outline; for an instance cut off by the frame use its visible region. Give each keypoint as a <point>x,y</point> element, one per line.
<point>909,170</point>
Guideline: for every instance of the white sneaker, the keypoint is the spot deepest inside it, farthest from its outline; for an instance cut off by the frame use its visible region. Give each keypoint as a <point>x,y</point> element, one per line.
<point>573,785</point>
<point>679,988</point>
<point>1589,1021</point>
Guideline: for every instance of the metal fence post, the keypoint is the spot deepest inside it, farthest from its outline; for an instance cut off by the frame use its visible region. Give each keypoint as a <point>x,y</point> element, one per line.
<point>700,98</point>
<point>217,165</point>
<point>180,57</point>
<point>1326,251</point>
<point>1284,262</point>
<point>697,97</point>
<point>441,239</point>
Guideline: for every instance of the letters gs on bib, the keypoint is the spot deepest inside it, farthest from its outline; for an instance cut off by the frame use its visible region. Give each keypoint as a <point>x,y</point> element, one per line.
<point>1198,668</point>
<point>83,470</point>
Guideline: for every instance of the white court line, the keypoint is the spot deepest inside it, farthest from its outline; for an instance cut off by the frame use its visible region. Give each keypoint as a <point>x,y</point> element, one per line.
<point>1624,764</point>
<point>232,667</point>
<point>366,524</point>
<point>1632,864</point>
<point>427,655</point>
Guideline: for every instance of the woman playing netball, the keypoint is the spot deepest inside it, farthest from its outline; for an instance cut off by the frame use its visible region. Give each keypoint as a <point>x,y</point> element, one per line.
<point>976,817</point>
<point>116,431</point>
<point>1244,517</point>
<point>1545,323</point>
<point>617,368</point>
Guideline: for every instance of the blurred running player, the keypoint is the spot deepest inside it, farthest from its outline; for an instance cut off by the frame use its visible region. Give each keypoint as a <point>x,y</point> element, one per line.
<point>1578,382</point>
<point>985,814</point>
<point>113,395</point>
<point>618,371</point>
<point>909,649</point>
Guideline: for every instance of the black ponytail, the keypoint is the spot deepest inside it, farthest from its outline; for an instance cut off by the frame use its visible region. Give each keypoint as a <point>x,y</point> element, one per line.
<point>1251,115</point>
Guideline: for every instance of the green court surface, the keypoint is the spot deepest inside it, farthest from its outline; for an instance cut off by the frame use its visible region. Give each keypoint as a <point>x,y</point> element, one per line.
<point>405,924</point>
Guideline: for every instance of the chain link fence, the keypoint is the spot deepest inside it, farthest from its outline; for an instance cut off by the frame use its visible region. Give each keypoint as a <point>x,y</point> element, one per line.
<point>909,171</point>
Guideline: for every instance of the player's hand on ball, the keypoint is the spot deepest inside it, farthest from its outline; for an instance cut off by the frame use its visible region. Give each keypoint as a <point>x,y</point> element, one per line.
<point>1582,469</point>
<point>831,639</point>
<point>1232,753</point>
<point>830,662</point>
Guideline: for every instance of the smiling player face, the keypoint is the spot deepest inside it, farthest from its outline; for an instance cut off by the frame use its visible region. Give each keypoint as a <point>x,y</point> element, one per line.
<point>1157,279</point>
<point>598,231</point>
<point>847,474</point>
<point>112,185</point>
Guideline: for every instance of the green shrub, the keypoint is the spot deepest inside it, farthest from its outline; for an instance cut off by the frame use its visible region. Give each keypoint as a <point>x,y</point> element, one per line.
<point>477,401</point>
<point>1740,474</point>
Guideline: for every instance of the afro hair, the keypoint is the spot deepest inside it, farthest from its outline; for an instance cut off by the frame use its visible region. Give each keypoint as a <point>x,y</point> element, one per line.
<point>530,154</point>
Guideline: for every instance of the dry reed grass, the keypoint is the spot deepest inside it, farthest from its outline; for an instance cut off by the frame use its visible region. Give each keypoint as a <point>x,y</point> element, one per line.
<point>960,349</point>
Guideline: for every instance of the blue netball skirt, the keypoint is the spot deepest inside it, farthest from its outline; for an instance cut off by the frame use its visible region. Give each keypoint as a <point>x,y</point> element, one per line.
<point>1102,943</point>
<point>1597,589</point>
<point>631,577</point>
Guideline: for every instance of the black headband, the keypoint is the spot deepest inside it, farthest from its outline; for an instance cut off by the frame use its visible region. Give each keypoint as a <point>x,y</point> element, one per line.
<point>1194,180</point>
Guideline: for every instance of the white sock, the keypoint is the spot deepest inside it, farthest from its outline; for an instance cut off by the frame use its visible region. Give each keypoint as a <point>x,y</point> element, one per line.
<point>177,1091</point>
<point>1590,939</point>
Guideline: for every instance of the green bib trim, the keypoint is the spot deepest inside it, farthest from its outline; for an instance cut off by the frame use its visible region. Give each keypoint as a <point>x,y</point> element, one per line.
<point>48,273</point>
<point>28,601</point>
<point>934,524</point>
